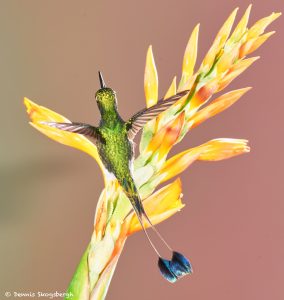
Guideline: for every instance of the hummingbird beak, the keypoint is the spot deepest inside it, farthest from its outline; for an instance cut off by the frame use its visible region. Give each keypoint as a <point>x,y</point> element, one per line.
<point>103,85</point>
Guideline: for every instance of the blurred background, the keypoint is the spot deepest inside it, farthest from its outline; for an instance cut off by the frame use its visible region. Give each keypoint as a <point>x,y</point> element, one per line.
<point>232,227</point>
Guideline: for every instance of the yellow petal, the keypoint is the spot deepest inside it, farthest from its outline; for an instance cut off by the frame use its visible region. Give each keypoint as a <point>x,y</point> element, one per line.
<point>226,28</point>
<point>170,92</point>
<point>160,206</point>
<point>220,149</point>
<point>211,55</point>
<point>217,149</point>
<point>204,93</point>
<point>172,89</point>
<point>101,286</point>
<point>165,138</point>
<point>253,44</point>
<point>220,40</point>
<point>39,114</point>
<point>177,164</point>
<point>189,58</point>
<point>101,214</point>
<point>242,26</point>
<point>259,27</point>
<point>235,71</point>
<point>216,106</point>
<point>150,79</point>
<point>227,59</point>
<point>259,41</point>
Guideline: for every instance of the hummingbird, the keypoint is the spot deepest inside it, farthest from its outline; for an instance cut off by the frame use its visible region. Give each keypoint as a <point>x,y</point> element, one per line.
<point>114,141</point>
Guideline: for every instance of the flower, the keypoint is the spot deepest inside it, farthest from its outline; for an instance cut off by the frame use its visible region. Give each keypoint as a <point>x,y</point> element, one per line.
<point>114,220</point>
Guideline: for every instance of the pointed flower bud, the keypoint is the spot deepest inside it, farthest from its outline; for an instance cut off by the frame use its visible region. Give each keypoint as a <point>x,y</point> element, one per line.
<point>150,79</point>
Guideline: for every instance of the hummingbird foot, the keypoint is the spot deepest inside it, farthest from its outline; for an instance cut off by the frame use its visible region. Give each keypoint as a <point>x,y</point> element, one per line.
<point>176,268</point>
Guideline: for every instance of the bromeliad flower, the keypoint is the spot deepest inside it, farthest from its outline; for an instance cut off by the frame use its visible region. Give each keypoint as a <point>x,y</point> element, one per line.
<point>164,124</point>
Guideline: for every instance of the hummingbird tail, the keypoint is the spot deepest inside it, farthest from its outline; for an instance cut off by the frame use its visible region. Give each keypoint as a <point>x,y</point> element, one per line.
<point>179,265</point>
<point>142,215</point>
<point>173,269</point>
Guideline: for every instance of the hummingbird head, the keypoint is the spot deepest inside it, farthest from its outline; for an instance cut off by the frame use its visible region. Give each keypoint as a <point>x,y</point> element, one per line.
<point>105,96</point>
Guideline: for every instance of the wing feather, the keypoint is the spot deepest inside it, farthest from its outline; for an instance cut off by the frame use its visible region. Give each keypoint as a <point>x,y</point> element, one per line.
<point>74,127</point>
<point>136,122</point>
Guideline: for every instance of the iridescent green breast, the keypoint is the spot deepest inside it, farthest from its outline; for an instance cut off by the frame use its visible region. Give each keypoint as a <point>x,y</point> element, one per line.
<point>117,151</point>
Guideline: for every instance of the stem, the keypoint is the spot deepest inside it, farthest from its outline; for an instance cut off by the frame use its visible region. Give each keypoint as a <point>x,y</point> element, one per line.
<point>79,288</point>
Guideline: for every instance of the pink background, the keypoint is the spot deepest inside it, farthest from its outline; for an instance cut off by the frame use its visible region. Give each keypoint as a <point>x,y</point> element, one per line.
<point>232,227</point>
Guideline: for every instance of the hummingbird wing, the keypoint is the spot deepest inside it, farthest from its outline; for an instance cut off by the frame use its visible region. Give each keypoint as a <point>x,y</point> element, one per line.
<point>136,122</point>
<point>81,128</point>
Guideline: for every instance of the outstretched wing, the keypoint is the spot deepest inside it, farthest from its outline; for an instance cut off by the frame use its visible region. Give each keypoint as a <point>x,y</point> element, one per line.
<point>136,122</point>
<point>81,128</point>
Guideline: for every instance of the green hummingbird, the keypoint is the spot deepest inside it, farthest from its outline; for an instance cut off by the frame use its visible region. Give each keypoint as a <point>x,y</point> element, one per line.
<point>114,140</point>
